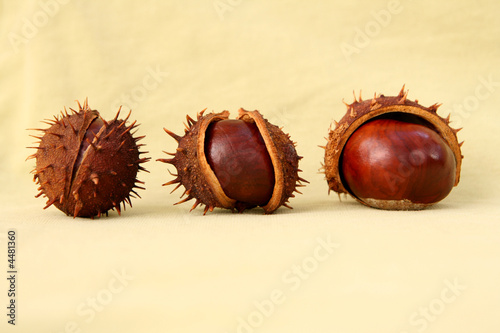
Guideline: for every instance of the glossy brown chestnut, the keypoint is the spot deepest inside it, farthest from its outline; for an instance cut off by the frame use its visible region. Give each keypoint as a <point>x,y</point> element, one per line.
<point>390,152</point>
<point>391,160</point>
<point>238,156</point>
<point>235,164</point>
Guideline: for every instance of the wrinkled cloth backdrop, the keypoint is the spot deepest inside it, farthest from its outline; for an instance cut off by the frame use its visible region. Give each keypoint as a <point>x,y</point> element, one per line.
<point>325,266</point>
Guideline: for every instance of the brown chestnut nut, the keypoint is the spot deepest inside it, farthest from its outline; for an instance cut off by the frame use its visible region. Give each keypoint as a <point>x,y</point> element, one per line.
<point>393,153</point>
<point>86,165</point>
<point>237,145</point>
<point>235,163</point>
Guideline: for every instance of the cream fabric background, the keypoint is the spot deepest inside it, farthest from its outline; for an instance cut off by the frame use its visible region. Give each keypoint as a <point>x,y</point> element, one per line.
<point>435,270</point>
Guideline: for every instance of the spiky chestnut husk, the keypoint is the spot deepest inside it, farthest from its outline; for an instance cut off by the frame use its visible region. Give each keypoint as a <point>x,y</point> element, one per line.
<point>85,165</point>
<point>359,113</point>
<point>200,181</point>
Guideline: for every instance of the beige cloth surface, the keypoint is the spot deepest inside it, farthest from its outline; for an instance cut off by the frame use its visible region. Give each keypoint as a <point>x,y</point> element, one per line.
<point>326,265</point>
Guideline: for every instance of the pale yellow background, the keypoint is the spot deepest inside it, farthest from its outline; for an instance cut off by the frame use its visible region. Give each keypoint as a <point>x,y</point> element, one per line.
<point>191,273</point>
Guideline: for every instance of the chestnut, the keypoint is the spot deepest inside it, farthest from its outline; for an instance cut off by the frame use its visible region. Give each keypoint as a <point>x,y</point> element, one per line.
<point>85,165</point>
<point>393,153</point>
<point>235,163</point>
<point>238,156</point>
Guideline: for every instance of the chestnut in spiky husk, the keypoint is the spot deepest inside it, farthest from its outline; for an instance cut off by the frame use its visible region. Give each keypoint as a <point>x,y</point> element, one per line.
<point>235,164</point>
<point>86,165</point>
<point>393,153</point>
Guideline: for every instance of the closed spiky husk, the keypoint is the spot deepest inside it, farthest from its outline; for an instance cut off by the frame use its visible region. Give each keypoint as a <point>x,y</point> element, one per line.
<point>201,183</point>
<point>85,165</point>
<point>361,111</point>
